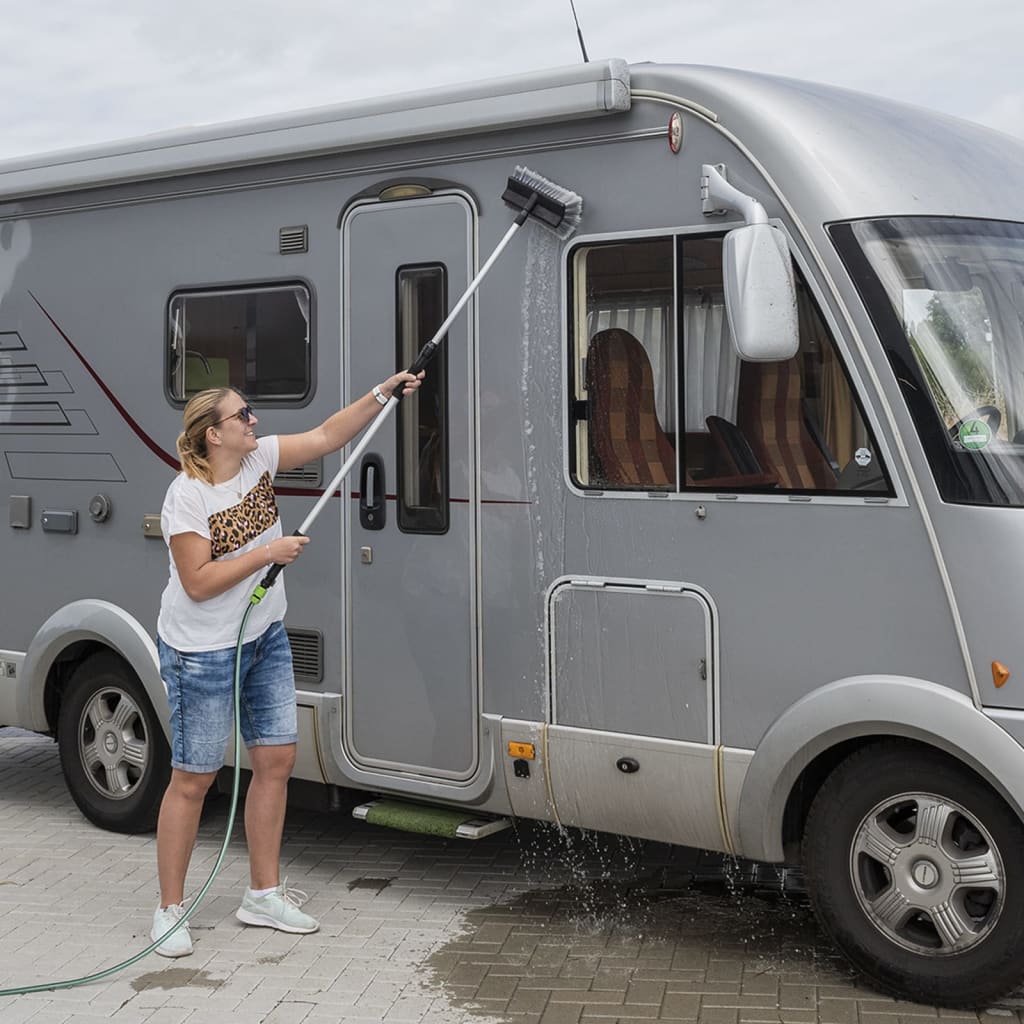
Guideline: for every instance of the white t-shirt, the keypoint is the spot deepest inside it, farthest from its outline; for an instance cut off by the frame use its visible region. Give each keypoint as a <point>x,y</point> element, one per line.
<point>235,516</point>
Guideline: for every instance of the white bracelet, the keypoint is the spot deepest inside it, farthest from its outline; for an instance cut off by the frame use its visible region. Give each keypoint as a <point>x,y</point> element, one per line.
<point>379,395</point>
<point>270,554</point>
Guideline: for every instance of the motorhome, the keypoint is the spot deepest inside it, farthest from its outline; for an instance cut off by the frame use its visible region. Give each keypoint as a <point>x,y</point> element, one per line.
<point>618,566</point>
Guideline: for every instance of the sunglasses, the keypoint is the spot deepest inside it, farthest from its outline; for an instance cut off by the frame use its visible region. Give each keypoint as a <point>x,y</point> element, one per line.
<point>244,414</point>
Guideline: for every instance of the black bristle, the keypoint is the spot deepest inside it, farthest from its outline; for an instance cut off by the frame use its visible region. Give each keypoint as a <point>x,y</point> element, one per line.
<point>557,208</point>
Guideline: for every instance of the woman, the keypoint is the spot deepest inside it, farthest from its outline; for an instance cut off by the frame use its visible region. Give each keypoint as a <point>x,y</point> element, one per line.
<point>220,522</point>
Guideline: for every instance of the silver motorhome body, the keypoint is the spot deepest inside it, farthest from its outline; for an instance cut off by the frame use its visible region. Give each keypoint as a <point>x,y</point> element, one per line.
<point>606,572</point>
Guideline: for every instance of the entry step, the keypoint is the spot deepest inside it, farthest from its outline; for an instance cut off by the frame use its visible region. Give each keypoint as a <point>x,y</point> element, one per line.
<point>448,822</point>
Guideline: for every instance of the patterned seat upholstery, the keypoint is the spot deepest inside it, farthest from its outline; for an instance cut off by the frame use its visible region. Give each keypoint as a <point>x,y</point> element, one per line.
<point>628,448</point>
<point>771,417</point>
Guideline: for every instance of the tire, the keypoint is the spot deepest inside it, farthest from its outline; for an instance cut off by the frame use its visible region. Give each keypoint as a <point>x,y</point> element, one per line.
<point>914,870</point>
<point>113,751</point>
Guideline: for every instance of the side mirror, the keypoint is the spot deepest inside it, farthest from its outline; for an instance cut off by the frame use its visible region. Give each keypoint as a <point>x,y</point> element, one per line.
<point>760,294</point>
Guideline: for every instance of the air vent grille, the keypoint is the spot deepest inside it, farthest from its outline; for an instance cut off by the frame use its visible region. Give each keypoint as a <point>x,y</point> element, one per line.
<point>294,239</point>
<point>310,474</point>
<point>307,654</point>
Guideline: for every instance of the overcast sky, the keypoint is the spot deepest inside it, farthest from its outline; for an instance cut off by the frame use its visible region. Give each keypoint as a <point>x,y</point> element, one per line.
<point>81,71</point>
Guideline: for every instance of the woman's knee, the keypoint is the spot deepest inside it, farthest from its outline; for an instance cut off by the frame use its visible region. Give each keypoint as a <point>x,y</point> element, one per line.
<point>272,761</point>
<point>191,785</point>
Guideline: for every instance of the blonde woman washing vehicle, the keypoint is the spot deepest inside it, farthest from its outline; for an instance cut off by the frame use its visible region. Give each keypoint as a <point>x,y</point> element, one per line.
<point>220,522</point>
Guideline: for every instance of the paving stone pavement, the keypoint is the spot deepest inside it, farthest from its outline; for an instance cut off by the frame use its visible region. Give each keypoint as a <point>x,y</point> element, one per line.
<point>539,927</point>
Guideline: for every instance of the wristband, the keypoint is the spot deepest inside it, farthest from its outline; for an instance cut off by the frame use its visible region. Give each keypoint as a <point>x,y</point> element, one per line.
<point>270,554</point>
<point>379,395</point>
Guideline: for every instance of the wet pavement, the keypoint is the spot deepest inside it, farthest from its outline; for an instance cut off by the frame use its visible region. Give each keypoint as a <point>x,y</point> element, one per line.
<point>536,927</point>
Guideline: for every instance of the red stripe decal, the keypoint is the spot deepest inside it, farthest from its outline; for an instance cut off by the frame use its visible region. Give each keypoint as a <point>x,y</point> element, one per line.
<point>139,432</point>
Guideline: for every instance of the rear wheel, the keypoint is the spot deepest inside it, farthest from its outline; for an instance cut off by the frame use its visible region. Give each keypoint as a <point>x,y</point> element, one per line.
<point>113,751</point>
<point>915,871</point>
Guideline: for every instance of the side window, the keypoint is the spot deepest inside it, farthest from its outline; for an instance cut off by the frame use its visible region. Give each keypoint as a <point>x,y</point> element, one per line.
<point>662,402</point>
<point>624,366</point>
<point>422,429</point>
<point>255,339</point>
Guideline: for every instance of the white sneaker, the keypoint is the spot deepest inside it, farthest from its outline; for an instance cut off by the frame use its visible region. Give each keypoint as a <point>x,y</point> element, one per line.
<point>164,919</point>
<point>278,909</point>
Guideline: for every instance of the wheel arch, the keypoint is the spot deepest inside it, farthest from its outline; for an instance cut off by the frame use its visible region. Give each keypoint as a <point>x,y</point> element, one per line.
<point>71,635</point>
<point>811,737</point>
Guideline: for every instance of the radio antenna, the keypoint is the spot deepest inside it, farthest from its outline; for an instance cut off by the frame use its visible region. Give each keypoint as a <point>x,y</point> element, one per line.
<point>579,33</point>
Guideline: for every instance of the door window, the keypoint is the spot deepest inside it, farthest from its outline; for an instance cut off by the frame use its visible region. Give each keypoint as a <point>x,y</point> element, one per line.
<point>661,402</point>
<point>421,300</point>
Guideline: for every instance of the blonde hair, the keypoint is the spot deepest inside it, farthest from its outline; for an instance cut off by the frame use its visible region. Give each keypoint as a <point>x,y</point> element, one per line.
<point>200,412</point>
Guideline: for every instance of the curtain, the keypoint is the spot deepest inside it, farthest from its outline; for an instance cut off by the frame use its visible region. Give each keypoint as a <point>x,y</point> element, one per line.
<point>711,368</point>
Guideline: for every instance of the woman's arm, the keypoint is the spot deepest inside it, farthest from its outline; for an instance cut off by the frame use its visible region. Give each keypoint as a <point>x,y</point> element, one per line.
<point>203,578</point>
<point>337,430</point>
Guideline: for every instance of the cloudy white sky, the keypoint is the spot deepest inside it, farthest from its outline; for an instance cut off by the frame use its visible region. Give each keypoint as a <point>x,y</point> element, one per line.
<point>81,71</point>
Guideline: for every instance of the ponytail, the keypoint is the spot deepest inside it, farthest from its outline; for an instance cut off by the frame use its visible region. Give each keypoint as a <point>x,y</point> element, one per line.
<point>200,413</point>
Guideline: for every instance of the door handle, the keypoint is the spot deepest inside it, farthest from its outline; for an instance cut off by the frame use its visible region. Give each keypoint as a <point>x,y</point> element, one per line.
<point>373,513</point>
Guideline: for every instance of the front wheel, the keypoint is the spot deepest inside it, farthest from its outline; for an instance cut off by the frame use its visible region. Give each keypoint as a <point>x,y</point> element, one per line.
<point>914,869</point>
<point>113,751</point>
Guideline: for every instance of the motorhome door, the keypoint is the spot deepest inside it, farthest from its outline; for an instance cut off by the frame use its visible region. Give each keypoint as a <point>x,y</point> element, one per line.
<point>411,688</point>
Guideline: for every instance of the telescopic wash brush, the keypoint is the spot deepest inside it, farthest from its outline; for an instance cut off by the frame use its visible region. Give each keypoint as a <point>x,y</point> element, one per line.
<point>557,209</point>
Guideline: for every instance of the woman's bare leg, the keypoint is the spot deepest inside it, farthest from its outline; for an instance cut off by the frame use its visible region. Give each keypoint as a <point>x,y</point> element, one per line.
<point>176,831</point>
<point>265,805</point>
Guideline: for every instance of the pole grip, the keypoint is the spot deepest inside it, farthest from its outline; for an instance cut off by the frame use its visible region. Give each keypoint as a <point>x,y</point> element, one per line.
<point>423,357</point>
<point>275,570</point>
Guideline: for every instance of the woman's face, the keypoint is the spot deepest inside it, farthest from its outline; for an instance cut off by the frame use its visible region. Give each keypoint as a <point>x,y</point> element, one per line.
<point>236,425</point>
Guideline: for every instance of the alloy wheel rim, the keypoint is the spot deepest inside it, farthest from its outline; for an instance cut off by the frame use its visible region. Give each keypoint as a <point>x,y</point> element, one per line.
<point>113,743</point>
<point>927,874</point>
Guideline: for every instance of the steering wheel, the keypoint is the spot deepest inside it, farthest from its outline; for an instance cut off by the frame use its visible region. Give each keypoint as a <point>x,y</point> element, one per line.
<point>989,413</point>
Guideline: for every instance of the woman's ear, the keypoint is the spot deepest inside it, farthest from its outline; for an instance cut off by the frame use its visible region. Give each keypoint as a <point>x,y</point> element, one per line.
<point>212,437</point>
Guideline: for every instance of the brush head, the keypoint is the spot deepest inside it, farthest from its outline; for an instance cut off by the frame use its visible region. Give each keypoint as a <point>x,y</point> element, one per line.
<point>558,209</point>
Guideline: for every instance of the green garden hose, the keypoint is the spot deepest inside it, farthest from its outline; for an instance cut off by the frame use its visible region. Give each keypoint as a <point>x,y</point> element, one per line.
<point>54,986</point>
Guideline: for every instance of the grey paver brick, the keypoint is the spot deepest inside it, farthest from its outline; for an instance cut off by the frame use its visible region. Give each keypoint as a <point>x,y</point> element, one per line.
<point>679,1006</point>
<point>497,987</point>
<point>561,1013</point>
<point>840,1011</point>
<point>740,1001</point>
<point>526,1001</point>
<point>718,1015</point>
<point>171,1015</point>
<point>645,992</point>
<point>589,997</point>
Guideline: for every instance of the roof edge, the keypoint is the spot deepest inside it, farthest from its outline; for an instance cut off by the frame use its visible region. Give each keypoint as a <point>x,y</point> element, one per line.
<point>578,91</point>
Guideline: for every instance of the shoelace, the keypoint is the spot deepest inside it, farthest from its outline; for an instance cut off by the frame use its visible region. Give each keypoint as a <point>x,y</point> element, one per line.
<point>296,897</point>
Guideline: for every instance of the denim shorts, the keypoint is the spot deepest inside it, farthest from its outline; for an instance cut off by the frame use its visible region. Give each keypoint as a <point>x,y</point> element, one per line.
<point>200,693</point>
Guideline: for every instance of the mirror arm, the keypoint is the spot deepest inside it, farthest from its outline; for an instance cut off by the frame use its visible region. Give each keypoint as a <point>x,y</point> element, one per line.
<point>718,196</point>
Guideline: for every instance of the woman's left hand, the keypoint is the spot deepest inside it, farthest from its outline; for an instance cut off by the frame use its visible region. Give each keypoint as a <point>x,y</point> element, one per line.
<point>410,383</point>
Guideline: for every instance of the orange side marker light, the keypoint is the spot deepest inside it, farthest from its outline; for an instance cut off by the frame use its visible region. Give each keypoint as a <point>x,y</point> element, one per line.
<point>523,750</point>
<point>1000,673</point>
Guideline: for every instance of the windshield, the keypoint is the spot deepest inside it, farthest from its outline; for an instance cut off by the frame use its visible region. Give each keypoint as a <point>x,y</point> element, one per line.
<point>947,298</point>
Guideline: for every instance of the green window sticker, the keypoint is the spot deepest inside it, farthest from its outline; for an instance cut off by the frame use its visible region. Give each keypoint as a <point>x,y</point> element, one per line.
<point>974,434</point>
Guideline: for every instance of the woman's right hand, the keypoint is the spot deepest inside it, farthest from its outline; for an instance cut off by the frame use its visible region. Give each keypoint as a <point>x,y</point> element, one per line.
<point>284,550</point>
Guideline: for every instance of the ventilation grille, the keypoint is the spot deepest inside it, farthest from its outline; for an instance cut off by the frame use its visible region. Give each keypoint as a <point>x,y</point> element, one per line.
<point>307,654</point>
<point>310,474</point>
<point>293,239</point>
